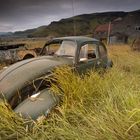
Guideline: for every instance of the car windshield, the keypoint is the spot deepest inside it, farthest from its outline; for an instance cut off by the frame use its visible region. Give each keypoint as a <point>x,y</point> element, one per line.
<point>67,48</point>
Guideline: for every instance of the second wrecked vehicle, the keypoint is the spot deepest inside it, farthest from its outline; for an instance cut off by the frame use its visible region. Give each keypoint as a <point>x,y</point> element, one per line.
<point>15,52</point>
<point>23,81</point>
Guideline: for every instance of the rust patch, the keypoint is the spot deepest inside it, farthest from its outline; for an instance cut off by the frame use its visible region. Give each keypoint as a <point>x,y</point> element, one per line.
<point>13,53</point>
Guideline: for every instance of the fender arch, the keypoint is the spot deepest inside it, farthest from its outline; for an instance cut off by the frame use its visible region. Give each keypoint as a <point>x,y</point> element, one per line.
<point>27,56</point>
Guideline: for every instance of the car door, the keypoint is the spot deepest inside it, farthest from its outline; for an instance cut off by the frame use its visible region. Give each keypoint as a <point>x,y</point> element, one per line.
<point>88,57</point>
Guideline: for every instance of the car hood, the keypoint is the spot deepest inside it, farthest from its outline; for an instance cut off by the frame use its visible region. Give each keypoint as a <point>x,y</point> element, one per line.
<point>17,75</point>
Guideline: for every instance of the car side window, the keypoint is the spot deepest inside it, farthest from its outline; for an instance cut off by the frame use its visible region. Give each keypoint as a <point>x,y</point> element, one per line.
<point>88,51</point>
<point>102,50</point>
<point>52,48</point>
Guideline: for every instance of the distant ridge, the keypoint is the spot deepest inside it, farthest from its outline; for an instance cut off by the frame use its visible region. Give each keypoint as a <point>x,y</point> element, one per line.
<point>5,33</point>
<point>85,24</point>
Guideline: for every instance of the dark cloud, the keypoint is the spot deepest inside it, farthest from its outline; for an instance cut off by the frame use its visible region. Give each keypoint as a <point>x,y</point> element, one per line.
<point>23,14</point>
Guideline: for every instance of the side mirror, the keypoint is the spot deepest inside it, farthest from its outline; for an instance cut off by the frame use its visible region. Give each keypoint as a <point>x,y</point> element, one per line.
<point>83,60</point>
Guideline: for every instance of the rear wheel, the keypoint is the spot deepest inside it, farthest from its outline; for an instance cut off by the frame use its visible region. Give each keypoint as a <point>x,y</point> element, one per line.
<point>27,91</point>
<point>37,106</point>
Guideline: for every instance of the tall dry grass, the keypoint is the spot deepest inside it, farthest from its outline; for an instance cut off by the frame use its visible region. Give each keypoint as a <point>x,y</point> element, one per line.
<point>95,107</point>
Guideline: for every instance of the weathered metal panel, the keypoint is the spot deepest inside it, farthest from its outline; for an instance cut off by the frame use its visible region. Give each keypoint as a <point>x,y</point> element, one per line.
<point>11,54</point>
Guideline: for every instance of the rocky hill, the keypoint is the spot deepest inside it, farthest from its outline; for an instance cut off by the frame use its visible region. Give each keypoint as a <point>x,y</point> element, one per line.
<point>129,25</point>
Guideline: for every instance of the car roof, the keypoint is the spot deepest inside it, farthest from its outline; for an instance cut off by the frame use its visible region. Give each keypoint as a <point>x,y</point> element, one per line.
<point>78,39</point>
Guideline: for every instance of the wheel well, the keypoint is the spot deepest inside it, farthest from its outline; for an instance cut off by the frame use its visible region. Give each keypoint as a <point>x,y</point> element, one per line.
<point>27,56</point>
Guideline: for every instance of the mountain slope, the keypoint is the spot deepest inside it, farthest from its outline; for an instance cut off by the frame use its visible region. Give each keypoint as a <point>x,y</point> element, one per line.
<point>128,24</point>
<point>5,33</point>
<point>84,24</point>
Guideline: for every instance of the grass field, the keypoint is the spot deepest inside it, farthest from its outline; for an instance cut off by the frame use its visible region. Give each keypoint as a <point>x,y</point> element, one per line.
<point>107,107</point>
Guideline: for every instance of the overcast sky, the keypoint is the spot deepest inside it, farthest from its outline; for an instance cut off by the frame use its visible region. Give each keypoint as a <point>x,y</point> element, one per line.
<point>24,14</point>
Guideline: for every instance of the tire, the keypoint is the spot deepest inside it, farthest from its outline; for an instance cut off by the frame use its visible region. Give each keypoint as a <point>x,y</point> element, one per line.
<point>41,105</point>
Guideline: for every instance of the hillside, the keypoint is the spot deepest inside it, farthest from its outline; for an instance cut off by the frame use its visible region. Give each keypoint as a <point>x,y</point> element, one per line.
<point>84,24</point>
<point>128,24</point>
<point>2,34</point>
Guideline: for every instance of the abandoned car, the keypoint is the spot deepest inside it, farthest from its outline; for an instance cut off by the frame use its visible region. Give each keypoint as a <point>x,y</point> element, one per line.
<point>23,86</point>
<point>15,52</point>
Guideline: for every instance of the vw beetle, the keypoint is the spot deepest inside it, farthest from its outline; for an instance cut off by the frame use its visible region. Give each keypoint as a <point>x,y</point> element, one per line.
<point>22,85</point>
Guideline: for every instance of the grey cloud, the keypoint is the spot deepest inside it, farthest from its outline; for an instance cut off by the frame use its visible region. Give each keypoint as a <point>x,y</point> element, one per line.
<point>23,14</point>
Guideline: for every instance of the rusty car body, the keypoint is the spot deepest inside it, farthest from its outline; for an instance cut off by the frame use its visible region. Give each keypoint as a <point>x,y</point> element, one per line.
<point>12,53</point>
<point>23,86</point>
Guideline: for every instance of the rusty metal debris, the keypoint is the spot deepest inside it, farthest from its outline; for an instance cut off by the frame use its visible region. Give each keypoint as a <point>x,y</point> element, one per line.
<point>16,52</point>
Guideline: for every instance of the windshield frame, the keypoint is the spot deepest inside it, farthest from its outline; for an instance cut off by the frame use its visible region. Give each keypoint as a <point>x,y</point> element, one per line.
<point>58,41</point>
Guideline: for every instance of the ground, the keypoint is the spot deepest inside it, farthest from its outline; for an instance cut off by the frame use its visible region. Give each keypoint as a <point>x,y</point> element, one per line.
<point>95,107</point>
